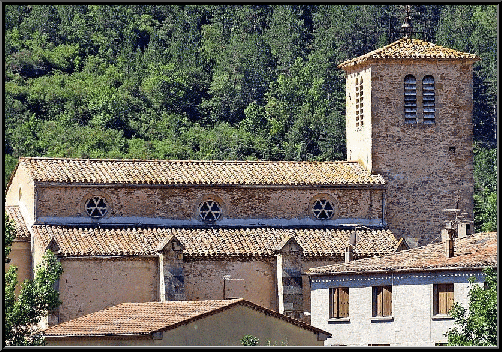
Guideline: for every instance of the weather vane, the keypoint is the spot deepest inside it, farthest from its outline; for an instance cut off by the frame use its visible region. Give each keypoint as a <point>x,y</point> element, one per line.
<point>407,27</point>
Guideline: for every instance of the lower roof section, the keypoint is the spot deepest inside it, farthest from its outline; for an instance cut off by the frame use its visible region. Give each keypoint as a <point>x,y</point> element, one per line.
<point>212,242</point>
<point>151,317</point>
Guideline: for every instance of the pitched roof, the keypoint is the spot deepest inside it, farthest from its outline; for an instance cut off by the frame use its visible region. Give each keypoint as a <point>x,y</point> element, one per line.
<point>198,172</point>
<point>211,242</point>
<point>149,317</point>
<point>22,232</point>
<point>475,251</point>
<point>406,48</point>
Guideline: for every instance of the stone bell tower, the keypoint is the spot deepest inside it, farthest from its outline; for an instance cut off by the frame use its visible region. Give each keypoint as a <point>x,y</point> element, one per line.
<point>409,118</point>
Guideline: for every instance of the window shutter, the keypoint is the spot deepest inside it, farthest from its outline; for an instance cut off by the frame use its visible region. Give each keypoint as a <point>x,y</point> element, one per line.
<point>333,302</point>
<point>436,299</point>
<point>410,99</point>
<point>343,293</point>
<point>379,301</point>
<point>428,99</point>
<point>449,297</point>
<point>387,301</point>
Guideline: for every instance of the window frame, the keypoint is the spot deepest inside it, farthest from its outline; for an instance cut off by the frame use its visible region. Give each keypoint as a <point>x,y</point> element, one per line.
<point>339,298</point>
<point>382,301</point>
<point>359,103</point>
<point>429,100</point>
<point>443,298</point>
<point>410,99</point>
<point>219,212</point>
<point>97,200</point>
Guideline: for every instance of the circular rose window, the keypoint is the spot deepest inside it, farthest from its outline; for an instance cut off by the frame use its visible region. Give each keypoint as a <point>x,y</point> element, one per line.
<point>323,209</point>
<point>96,207</point>
<point>209,210</point>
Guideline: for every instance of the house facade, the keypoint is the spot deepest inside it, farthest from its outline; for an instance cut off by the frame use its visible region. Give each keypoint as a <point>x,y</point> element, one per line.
<point>400,299</point>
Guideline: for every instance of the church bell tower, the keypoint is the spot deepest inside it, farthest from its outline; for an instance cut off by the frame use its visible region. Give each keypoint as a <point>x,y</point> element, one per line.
<point>409,109</point>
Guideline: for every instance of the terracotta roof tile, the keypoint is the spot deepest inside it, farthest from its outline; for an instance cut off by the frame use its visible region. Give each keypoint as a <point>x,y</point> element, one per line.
<point>477,250</point>
<point>22,232</point>
<point>149,317</point>
<point>201,172</point>
<point>406,48</point>
<point>211,242</point>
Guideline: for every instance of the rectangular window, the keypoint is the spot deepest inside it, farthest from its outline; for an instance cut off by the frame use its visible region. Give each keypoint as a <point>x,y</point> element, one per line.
<point>443,298</point>
<point>339,302</point>
<point>382,301</point>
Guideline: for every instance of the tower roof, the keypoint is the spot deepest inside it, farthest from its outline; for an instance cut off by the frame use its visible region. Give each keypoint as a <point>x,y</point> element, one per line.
<point>407,48</point>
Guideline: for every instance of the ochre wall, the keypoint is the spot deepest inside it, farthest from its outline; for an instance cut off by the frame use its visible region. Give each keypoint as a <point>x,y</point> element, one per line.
<point>204,280</point>
<point>182,202</point>
<point>21,192</point>
<point>20,256</point>
<point>225,328</point>
<point>358,138</point>
<point>91,284</point>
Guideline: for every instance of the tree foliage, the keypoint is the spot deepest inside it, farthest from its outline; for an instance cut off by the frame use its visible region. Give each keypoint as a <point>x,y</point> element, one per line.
<point>477,324</point>
<point>210,81</point>
<point>35,300</point>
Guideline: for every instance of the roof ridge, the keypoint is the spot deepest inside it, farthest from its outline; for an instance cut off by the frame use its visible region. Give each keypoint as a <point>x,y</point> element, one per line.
<point>189,160</point>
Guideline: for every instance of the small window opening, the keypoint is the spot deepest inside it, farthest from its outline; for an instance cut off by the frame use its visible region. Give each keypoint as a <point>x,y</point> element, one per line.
<point>339,302</point>
<point>428,99</point>
<point>209,210</point>
<point>410,99</point>
<point>382,301</point>
<point>443,298</point>
<point>323,209</point>
<point>96,207</point>
<point>359,103</point>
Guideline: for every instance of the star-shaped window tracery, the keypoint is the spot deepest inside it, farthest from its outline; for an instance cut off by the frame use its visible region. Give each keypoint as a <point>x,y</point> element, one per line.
<point>209,210</point>
<point>323,209</point>
<point>96,207</point>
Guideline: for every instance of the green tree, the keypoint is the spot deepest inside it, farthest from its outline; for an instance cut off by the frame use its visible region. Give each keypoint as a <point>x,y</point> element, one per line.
<point>250,340</point>
<point>36,297</point>
<point>485,188</point>
<point>476,325</point>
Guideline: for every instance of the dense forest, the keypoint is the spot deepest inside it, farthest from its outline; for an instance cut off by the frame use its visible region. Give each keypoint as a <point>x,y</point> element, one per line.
<point>217,81</point>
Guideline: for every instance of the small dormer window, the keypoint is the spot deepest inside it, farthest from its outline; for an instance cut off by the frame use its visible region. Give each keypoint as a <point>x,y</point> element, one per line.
<point>359,102</point>
<point>428,99</point>
<point>410,99</point>
<point>96,207</point>
<point>209,210</point>
<point>323,209</point>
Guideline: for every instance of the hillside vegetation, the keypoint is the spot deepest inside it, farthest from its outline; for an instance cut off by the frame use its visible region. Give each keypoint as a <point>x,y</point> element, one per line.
<point>216,81</point>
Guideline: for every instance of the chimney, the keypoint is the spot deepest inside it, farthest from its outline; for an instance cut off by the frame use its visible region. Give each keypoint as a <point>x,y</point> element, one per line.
<point>447,235</point>
<point>349,254</point>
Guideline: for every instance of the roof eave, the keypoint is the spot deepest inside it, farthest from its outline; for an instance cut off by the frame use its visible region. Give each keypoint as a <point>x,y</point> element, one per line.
<point>400,270</point>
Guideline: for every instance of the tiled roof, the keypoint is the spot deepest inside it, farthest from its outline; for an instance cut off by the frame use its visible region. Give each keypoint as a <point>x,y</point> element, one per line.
<point>406,48</point>
<point>478,250</point>
<point>149,317</point>
<point>211,242</point>
<point>22,232</point>
<point>201,172</point>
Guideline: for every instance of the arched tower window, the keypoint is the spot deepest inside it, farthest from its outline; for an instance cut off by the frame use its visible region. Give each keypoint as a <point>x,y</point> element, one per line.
<point>359,102</point>
<point>428,99</point>
<point>410,99</point>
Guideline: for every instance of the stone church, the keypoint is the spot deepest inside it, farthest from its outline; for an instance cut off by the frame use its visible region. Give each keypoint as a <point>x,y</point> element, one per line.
<point>154,230</point>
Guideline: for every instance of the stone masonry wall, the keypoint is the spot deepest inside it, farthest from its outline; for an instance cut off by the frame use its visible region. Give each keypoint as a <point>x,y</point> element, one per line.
<point>181,203</point>
<point>427,166</point>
